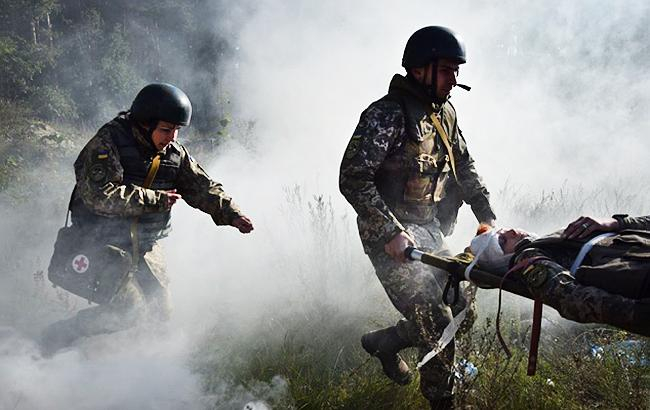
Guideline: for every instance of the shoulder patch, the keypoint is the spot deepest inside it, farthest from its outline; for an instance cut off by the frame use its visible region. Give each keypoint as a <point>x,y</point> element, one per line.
<point>102,154</point>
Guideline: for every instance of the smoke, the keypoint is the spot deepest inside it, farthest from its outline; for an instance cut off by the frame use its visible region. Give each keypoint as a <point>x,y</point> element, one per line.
<point>116,372</point>
<point>554,121</point>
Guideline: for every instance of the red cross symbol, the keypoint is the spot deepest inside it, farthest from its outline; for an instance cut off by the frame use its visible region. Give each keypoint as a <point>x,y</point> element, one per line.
<point>80,263</point>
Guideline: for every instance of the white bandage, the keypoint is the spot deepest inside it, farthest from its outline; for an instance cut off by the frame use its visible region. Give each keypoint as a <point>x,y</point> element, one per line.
<point>485,246</point>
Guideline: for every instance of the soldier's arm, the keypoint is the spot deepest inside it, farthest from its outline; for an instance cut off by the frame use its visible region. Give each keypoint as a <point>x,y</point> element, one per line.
<point>200,191</point>
<point>99,182</point>
<point>557,288</point>
<point>474,191</point>
<point>633,222</point>
<point>374,136</point>
<point>584,226</point>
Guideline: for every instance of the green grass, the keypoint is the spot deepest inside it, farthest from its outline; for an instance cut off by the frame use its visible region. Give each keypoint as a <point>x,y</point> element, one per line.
<point>320,359</point>
<point>314,350</point>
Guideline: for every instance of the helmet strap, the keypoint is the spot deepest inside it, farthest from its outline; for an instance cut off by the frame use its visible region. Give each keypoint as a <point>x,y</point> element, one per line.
<point>429,90</point>
<point>432,89</point>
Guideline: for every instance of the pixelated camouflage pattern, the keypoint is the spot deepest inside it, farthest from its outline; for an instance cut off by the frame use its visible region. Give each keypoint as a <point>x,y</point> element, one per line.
<point>635,222</point>
<point>99,176</point>
<point>552,282</point>
<point>415,289</point>
<point>379,143</point>
<point>381,134</point>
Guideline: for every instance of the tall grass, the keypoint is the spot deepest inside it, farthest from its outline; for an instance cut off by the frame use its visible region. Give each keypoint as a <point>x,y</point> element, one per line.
<point>313,345</point>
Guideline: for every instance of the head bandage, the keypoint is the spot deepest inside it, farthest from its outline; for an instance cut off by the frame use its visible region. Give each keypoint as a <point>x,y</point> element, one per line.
<point>485,246</point>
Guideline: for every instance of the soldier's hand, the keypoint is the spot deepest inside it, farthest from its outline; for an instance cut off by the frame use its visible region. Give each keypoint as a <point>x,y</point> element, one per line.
<point>172,197</point>
<point>243,224</point>
<point>585,226</point>
<point>396,247</point>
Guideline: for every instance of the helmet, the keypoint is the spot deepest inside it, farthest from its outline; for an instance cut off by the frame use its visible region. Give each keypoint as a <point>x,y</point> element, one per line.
<point>162,102</point>
<point>431,43</point>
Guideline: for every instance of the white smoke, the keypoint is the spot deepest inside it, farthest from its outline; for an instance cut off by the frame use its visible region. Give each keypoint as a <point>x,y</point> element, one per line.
<point>557,103</point>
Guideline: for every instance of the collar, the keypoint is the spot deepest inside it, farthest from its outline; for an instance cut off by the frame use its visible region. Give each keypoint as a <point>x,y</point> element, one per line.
<point>401,85</point>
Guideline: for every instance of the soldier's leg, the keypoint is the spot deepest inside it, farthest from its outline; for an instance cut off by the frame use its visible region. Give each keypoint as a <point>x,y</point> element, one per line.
<point>152,278</point>
<point>121,313</point>
<point>416,291</point>
<point>585,304</point>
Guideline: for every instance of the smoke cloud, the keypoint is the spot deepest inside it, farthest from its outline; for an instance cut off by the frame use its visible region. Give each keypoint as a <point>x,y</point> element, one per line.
<point>555,121</point>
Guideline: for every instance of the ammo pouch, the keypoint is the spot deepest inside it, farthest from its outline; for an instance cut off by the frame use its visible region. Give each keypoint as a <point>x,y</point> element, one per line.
<point>82,265</point>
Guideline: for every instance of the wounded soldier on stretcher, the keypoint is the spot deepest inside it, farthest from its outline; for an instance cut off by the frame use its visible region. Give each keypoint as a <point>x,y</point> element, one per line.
<point>588,277</point>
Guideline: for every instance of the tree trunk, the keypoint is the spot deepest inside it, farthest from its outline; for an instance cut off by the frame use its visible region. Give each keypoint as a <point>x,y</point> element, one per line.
<point>34,37</point>
<point>50,31</point>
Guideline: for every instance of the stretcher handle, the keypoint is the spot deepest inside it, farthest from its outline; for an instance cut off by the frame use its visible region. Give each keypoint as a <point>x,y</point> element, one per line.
<point>453,281</point>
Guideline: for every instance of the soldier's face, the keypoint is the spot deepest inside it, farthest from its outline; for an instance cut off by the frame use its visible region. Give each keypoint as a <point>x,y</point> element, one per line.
<point>509,238</point>
<point>445,78</point>
<point>164,134</point>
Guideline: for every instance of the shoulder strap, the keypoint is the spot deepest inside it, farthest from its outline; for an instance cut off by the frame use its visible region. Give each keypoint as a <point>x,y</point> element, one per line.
<point>445,140</point>
<point>151,174</point>
<point>69,210</point>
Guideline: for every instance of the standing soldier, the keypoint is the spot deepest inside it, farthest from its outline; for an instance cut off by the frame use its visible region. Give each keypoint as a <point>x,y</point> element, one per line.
<point>406,171</point>
<point>129,176</point>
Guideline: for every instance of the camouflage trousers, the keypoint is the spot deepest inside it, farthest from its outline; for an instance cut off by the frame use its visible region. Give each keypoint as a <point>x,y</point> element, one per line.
<point>589,304</point>
<point>415,289</point>
<point>142,297</point>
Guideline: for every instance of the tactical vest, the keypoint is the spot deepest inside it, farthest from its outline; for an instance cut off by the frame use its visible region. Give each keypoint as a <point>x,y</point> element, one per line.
<point>414,177</point>
<point>135,160</point>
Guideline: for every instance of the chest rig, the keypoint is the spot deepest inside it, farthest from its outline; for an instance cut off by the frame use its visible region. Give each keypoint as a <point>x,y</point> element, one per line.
<point>135,159</point>
<point>413,177</point>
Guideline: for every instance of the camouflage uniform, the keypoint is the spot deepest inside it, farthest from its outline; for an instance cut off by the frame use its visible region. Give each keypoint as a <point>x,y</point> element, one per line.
<point>592,295</point>
<point>397,175</point>
<point>633,222</point>
<point>108,200</point>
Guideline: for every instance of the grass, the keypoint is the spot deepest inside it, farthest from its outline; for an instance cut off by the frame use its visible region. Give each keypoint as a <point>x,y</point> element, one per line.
<point>314,350</point>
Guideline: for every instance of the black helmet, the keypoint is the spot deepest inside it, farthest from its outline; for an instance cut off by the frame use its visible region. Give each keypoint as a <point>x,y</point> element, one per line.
<point>162,102</point>
<point>431,43</point>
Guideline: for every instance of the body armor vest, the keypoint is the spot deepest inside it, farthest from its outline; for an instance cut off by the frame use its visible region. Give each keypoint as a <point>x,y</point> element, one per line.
<point>413,178</point>
<point>135,160</point>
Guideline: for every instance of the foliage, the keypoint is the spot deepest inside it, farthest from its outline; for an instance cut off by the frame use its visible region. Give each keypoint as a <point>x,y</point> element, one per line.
<point>313,348</point>
<point>70,60</point>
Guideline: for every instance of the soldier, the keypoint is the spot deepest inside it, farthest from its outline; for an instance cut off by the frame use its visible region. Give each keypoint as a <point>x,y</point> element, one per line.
<point>600,278</point>
<point>406,171</point>
<point>116,199</point>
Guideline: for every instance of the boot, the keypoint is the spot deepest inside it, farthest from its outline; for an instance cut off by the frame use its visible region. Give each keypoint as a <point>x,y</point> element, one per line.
<point>385,344</point>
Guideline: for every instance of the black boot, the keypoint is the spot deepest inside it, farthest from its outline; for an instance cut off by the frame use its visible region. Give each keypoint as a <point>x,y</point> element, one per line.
<point>385,344</point>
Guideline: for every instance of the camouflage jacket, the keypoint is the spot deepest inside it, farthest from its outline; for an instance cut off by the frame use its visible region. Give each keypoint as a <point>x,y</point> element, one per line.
<point>624,255</point>
<point>633,222</point>
<point>100,186</point>
<point>592,296</point>
<point>382,132</point>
